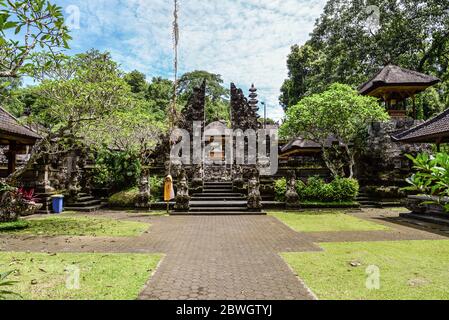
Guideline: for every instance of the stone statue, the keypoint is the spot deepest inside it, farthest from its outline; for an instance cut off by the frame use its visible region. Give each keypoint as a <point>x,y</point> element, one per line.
<point>238,180</point>
<point>197,178</point>
<point>144,198</point>
<point>182,196</point>
<point>254,197</point>
<point>291,196</point>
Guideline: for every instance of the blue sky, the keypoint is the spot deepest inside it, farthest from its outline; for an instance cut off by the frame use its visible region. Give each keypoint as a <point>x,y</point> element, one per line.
<point>245,41</point>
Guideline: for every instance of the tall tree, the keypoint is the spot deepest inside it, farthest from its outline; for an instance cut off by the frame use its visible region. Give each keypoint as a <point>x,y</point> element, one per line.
<point>340,113</point>
<point>137,82</point>
<point>160,93</point>
<point>217,96</point>
<point>69,107</point>
<point>25,27</point>
<point>345,48</point>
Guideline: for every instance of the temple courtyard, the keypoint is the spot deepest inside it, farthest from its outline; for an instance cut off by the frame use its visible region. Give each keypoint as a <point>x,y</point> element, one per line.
<point>367,254</point>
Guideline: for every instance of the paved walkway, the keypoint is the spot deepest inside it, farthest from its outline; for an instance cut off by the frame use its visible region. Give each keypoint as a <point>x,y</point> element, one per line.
<point>223,257</point>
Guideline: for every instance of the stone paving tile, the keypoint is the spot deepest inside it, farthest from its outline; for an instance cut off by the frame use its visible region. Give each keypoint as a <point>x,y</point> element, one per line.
<point>232,257</point>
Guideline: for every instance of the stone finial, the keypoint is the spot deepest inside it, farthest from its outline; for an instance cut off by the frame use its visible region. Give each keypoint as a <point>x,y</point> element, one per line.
<point>253,102</point>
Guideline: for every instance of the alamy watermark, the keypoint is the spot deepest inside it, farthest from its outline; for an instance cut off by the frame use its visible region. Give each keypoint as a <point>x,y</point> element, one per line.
<point>372,23</point>
<point>73,18</point>
<point>227,147</point>
<point>373,277</point>
<point>72,281</point>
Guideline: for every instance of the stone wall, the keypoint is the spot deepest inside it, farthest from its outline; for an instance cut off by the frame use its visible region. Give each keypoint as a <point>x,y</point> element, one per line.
<point>383,167</point>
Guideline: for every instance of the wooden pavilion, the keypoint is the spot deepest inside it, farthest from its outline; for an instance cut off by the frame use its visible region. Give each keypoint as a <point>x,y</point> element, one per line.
<point>17,137</point>
<point>435,130</point>
<point>393,85</point>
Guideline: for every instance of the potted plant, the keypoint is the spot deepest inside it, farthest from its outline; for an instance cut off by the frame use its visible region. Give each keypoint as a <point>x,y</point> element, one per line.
<point>27,202</point>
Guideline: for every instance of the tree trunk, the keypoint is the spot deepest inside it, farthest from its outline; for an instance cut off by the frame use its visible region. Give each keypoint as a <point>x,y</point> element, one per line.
<point>328,163</point>
<point>351,161</point>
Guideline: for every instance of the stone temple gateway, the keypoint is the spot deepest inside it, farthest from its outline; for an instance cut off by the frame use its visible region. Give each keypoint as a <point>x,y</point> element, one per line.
<point>218,183</point>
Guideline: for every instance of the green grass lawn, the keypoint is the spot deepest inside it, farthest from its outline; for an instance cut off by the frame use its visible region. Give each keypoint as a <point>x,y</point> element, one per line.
<point>326,222</point>
<point>408,270</point>
<point>80,226</point>
<point>42,276</point>
<point>158,213</point>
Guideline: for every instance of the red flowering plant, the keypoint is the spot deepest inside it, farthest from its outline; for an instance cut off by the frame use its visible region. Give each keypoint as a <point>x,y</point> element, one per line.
<point>16,202</point>
<point>26,195</point>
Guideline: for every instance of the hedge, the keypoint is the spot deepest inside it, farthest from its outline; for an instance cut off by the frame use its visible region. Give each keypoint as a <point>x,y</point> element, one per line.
<point>317,190</point>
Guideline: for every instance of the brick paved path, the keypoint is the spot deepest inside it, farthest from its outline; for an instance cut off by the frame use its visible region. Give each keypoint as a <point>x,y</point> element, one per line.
<point>228,258</point>
<point>224,257</point>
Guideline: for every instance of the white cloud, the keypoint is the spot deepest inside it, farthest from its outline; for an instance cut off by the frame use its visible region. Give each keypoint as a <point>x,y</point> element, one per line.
<point>245,41</point>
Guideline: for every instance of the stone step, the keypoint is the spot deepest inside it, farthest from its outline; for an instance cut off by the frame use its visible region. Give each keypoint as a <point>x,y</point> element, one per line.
<point>85,198</point>
<point>218,183</point>
<point>426,218</point>
<point>215,198</point>
<point>218,209</point>
<point>217,194</point>
<point>82,194</point>
<point>217,188</point>
<point>89,203</point>
<point>219,213</point>
<point>195,204</point>
<point>83,209</point>
<point>222,190</point>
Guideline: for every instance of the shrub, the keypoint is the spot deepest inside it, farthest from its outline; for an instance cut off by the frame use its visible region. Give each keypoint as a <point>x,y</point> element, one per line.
<point>317,190</point>
<point>344,189</point>
<point>313,190</point>
<point>157,188</point>
<point>124,199</point>
<point>280,189</point>
<point>127,198</point>
<point>432,176</point>
<point>116,170</point>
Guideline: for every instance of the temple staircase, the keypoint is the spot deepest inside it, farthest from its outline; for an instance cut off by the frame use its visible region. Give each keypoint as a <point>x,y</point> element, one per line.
<point>218,199</point>
<point>84,203</point>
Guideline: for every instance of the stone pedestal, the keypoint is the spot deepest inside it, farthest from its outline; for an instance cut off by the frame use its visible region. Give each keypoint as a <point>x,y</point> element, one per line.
<point>254,197</point>
<point>182,197</point>
<point>291,196</point>
<point>143,201</point>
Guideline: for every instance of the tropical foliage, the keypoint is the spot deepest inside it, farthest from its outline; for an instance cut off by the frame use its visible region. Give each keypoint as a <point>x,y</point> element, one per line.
<point>5,284</point>
<point>353,39</point>
<point>432,175</point>
<point>317,190</point>
<point>339,114</point>
<point>28,26</point>
<point>217,96</point>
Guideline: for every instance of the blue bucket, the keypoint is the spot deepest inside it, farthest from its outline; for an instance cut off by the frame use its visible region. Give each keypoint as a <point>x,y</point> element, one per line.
<point>58,203</point>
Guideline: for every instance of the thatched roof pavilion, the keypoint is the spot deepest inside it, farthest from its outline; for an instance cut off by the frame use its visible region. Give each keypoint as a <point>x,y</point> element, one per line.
<point>435,130</point>
<point>394,85</point>
<point>16,136</point>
